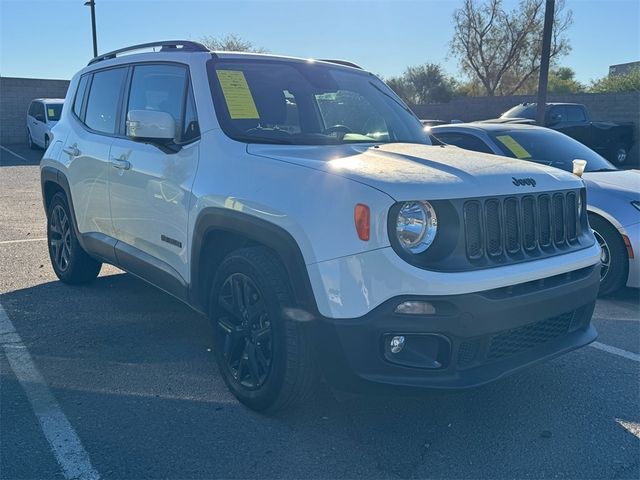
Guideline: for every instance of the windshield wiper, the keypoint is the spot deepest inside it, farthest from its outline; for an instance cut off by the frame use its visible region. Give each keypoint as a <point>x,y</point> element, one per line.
<point>602,170</point>
<point>258,139</point>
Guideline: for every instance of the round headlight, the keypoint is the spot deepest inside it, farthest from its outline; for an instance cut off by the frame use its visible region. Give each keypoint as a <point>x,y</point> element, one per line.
<point>416,226</point>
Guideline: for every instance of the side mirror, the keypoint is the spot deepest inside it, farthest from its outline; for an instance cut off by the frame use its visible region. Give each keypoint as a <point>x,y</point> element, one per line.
<point>39,117</point>
<point>150,125</point>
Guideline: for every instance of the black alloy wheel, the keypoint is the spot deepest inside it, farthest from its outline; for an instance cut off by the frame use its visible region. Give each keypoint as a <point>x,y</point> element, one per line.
<point>245,337</point>
<point>265,358</point>
<point>60,238</point>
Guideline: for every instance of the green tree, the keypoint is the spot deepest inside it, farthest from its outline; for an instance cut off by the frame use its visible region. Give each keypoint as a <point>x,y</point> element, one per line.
<point>502,49</point>
<point>562,80</point>
<point>230,43</point>
<point>422,84</point>
<point>626,82</point>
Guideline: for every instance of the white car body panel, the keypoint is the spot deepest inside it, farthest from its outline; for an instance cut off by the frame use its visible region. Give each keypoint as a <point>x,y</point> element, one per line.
<point>151,201</point>
<point>308,191</point>
<point>352,286</point>
<point>309,204</point>
<point>416,172</point>
<point>39,129</point>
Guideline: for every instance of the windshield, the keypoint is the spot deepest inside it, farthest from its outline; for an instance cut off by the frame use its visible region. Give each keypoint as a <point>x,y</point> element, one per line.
<point>296,103</point>
<point>521,111</point>
<point>548,147</point>
<point>53,111</point>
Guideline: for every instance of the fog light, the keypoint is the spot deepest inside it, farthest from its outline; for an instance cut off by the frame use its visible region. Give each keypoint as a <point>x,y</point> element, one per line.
<point>396,344</point>
<point>416,308</point>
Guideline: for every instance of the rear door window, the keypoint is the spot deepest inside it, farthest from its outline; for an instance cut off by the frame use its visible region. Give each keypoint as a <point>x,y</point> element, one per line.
<point>575,113</point>
<point>558,114</point>
<point>104,99</point>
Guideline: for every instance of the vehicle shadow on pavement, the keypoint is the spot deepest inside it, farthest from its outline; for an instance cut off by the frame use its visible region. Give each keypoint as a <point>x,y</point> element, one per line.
<point>18,155</point>
<point>133,371</point>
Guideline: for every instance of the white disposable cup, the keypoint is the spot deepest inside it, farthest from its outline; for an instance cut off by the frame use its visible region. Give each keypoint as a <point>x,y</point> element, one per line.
<point>578,167</point>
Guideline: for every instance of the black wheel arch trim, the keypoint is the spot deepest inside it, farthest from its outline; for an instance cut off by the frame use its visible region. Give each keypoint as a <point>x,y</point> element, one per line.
<point>257,230</point>
<point>55,176</point>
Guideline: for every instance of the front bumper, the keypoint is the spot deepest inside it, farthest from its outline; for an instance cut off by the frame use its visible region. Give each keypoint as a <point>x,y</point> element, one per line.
<point>480,337</point>
<point>632,232</point>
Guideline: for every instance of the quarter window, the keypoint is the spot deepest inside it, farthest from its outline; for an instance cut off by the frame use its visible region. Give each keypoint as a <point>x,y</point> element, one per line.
<point>190,128</point>
<point>104,96</point>
<point>82,88</point>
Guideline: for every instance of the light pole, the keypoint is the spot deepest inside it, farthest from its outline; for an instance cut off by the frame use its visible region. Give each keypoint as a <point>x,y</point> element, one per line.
<point>544,61</point>
<point>92,5</point>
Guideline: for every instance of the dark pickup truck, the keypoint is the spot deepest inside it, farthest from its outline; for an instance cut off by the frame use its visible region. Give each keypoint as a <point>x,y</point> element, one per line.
<point>611,140</point>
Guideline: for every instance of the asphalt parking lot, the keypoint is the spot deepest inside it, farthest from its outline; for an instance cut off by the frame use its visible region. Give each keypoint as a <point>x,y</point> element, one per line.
<point>118,380</point>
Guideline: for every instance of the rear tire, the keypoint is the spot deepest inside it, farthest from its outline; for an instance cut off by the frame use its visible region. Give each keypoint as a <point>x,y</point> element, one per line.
<point>265,359</point>
<point>70,262</point>
<point>614,260</point>
<point>30,143</point>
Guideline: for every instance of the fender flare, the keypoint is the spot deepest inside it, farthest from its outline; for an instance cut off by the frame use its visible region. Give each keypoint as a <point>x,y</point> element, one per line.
<point>256,230</point>
<point>53,175</point>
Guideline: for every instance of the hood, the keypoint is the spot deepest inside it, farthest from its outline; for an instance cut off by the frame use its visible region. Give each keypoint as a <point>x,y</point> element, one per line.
<point>623,181</point>
<point>413,171</point>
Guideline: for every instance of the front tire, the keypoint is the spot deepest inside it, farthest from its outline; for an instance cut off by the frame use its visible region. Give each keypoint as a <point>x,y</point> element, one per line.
<point>613,259</point>
<point>265,358</point>
<point>70,262</point>
<point>619,154</point>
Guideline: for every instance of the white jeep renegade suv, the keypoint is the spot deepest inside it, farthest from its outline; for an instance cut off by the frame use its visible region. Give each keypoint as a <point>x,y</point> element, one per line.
<point>299,205</point>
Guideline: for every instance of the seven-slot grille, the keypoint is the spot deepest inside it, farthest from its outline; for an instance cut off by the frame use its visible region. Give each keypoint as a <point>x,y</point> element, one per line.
<point>518,225</point>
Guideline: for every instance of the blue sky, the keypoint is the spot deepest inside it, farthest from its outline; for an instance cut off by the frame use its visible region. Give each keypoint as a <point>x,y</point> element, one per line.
<point>52,39</point>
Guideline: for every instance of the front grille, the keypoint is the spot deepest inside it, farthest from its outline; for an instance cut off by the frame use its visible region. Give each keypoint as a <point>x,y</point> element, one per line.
<point>525,338</point>
<point>520,226</point>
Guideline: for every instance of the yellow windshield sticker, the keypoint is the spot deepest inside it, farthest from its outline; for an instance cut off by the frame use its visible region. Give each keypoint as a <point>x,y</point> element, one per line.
<point>51,112</point>
<point>515,148</point>
<point>237,95</point>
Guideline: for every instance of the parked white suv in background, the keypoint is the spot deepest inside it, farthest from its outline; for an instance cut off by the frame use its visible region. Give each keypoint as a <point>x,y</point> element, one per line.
<point>42,116</point>
<point>299,205</point>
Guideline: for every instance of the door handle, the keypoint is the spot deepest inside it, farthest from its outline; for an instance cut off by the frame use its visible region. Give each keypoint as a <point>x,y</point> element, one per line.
<point>121,163</point>
<point>72,150</point>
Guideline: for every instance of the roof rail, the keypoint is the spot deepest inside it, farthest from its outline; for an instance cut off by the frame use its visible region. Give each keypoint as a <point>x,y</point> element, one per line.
<point>346,63</point>
<point>167,46</point>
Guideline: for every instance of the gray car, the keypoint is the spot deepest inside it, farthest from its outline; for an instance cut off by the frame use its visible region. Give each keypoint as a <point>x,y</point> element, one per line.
<point>613,196</point>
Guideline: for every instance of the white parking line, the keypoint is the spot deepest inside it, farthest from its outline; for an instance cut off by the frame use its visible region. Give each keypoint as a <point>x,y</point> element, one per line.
<point>13,153</point>
<point>62,438</point>
<point>6,242</point>
<point>616,351</point>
